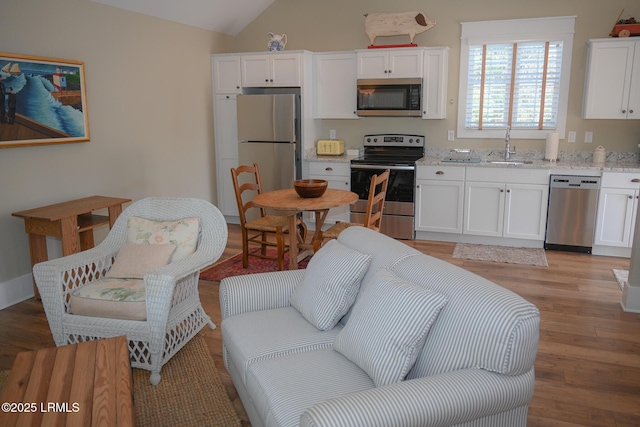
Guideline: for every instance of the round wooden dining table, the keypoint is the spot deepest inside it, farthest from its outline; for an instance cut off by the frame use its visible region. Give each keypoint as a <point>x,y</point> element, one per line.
<point>287,202</point>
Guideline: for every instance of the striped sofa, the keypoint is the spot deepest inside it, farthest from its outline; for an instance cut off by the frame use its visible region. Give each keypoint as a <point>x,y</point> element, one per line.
<point>474,367</point>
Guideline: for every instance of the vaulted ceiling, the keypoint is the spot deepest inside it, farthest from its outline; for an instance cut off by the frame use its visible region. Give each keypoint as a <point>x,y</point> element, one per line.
<point>224,16</point>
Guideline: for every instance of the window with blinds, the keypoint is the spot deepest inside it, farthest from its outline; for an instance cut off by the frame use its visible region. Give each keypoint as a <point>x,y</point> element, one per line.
<point>514,84</point>
<point>512,76</point>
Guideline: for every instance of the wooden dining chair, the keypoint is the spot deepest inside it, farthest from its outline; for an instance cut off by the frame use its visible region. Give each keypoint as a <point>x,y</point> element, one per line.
<point>375,204</point>
<point>257,231</point>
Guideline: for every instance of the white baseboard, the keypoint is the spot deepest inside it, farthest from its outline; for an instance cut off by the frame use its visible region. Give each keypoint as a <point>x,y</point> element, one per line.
<point>16,290</point>
<point>630,298</point>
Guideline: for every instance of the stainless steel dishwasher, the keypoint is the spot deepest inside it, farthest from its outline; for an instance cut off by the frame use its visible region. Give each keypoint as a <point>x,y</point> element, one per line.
<point>571,218</point>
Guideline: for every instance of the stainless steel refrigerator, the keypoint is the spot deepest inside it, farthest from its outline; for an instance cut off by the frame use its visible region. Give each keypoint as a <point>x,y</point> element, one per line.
<point>268,134</point>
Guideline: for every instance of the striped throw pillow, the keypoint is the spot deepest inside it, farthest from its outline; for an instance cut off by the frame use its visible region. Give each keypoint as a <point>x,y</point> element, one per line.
<point>330,284</point>
<point>388,327</point>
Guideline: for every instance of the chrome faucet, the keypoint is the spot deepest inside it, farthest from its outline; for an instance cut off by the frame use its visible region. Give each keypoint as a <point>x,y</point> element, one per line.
<point>507,148</point>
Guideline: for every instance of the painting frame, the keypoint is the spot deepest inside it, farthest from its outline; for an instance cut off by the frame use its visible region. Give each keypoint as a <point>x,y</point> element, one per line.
<point>45,101</point>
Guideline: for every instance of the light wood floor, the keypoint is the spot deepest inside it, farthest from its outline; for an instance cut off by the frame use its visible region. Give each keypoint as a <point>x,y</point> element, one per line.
<point>588,363</point>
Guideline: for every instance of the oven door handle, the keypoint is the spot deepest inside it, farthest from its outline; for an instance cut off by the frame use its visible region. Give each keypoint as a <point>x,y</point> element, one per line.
<point>383,167</point>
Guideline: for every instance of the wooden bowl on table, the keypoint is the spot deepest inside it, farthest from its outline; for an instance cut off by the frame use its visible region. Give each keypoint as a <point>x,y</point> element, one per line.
<point>310,188</point>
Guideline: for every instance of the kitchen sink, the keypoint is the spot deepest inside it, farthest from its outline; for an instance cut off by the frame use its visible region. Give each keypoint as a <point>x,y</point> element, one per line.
<point>510,162</point>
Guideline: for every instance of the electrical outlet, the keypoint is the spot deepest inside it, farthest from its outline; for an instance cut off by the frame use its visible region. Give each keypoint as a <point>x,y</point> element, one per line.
<point>572,137</point>
<point>451,135</point>
<point>332,134</point>
<point>588,137</point>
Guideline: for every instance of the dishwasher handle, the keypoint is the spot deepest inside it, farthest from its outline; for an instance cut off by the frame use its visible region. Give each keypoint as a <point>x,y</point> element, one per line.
<point>575,182</point>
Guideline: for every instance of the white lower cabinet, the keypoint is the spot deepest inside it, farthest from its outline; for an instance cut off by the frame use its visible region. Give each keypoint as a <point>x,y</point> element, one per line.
<point>484,208</point>
<point>439,199</point>
<point>525,214</point>
<point>513,210</point>
<point>489,202</point>
<point>617,209</point>
<point>338,176</point>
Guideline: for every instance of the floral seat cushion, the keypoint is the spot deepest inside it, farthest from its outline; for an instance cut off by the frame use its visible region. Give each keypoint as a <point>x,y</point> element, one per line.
<point>111,297</point>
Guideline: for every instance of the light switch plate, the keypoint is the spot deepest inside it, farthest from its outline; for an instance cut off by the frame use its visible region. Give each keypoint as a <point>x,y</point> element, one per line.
<point>332,134</point>
<point>588,137</point>
<point>572,137</point>
<point>451,135</point>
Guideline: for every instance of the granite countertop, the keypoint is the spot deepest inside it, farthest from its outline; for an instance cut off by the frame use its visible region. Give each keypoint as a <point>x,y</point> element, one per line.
<point>571,164</point>
<point>579,160</point>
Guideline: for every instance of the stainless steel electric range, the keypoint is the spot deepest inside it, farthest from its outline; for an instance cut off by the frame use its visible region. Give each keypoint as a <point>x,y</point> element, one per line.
<point>398,153</point>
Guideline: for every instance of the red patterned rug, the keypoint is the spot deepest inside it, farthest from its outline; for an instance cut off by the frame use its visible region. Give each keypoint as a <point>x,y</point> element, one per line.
<point>233,266</point>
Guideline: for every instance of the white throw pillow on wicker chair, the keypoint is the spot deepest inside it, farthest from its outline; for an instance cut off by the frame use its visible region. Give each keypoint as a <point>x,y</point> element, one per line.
<point>121,293</point>
<point>183,233</point>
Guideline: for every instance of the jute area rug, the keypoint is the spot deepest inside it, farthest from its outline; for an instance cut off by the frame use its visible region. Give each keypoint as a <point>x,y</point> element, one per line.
<point>622,276</point>
<point>190,393</point>
<point>506,254</point>
<point>233,266</point>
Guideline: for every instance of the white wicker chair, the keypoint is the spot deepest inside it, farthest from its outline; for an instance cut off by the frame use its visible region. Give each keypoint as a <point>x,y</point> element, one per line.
<point>174,312</point>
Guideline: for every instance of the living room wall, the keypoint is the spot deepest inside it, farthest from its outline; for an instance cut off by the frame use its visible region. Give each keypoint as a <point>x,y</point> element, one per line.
<point>148,85</point>
<point>334,25</point>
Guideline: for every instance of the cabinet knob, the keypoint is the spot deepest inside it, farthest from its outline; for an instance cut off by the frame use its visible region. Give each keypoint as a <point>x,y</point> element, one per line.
<point>635,180</point>
<point>271,80</point>
<point>502,190</point>
<point>630,197</point>
<point>228,96</point>
<point>418,186</point>
<point>624,111</point>
<point>386,71</point>
<point>328,168</point>
<point>266,80</point>
<point>440,173</point>
<point>509,191</point>
<point>630,111</point>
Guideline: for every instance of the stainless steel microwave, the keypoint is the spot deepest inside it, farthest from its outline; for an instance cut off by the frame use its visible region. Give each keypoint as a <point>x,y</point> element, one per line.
<point>390,97</point>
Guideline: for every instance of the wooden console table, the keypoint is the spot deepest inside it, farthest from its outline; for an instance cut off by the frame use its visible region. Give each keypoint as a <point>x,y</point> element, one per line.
<point>72,222</point>
<point>86,384</point>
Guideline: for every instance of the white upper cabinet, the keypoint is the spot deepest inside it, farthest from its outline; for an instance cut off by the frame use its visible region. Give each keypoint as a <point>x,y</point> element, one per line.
<point>612,84</point>
<point>271,69</point>
<point>390,63</point>
<point>226,74</point>
<point>335,85</point>
<point>434,85</point>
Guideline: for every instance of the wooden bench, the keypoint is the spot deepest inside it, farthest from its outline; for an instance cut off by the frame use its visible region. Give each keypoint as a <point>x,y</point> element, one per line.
<point>86,384</point>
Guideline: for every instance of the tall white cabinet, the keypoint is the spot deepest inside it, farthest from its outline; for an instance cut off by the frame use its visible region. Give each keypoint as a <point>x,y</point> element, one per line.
<point>226,87</point>
<point>612,84</point>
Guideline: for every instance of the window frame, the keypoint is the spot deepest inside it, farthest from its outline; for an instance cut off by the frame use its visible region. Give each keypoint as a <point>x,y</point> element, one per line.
<point>516,31</point>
